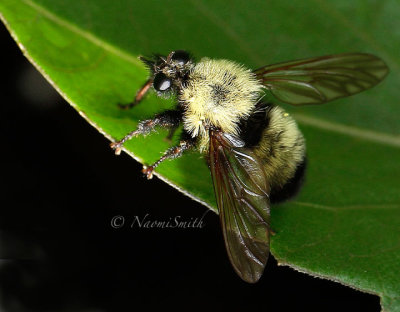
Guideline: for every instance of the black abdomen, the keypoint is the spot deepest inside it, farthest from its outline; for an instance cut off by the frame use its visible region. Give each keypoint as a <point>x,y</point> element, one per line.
<point>278,142</point>
<point>292,187</point>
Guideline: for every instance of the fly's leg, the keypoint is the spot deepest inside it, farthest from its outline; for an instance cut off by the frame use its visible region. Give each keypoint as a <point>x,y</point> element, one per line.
<point>171,153</point>
<point>167,119</point>
<point>139,95</point>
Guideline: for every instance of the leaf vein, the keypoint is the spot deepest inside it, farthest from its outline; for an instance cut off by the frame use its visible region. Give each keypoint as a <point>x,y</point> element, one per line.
<point>85,34</point>
<point>369,135</point>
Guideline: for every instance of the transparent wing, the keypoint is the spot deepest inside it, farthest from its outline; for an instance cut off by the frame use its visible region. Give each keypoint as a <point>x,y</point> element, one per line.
<point>242,194</point>
<point>322,79</point>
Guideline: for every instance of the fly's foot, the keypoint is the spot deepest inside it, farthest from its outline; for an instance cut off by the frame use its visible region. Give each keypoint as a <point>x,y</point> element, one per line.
<point>117,147</point>
<point>148,171</point>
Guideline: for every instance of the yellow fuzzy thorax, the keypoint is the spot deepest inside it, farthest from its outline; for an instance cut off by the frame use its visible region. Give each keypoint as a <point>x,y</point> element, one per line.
<point>218,93</point>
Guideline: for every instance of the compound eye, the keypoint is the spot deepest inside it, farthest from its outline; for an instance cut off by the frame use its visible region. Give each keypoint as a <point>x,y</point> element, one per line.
<point>162,82</point>
<point>181,57</point>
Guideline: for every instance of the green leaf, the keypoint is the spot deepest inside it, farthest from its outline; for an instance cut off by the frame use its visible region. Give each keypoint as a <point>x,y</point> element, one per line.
<point>345,225</point>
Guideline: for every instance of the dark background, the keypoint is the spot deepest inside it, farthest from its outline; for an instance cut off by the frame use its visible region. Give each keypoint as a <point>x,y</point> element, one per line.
<point>61,187</point>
